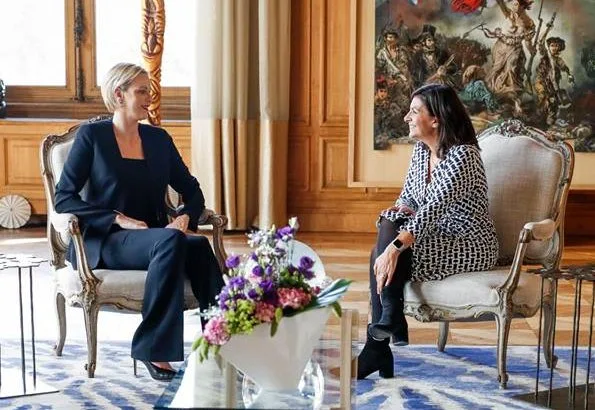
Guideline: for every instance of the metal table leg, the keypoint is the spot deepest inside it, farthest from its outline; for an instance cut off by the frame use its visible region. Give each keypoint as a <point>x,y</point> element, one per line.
<point>25,385</point>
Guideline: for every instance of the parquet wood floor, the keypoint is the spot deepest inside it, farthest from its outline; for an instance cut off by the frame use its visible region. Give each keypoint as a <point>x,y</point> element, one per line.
<point>347,255</point>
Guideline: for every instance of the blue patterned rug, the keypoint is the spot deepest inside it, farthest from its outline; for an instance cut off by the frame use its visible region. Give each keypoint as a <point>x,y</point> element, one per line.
<point>459,378</point>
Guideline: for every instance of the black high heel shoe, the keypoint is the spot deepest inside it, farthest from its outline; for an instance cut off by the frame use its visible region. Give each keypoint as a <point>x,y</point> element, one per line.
<point>376,356</point>
<point>157,373</point>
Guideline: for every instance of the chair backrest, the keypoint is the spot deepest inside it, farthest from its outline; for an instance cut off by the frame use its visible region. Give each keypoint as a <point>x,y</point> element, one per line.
<point>528,181</point>
<point>54,151</point>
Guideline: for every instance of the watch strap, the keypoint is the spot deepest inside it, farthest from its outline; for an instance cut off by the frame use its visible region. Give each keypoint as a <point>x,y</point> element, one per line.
<point>397,243</point>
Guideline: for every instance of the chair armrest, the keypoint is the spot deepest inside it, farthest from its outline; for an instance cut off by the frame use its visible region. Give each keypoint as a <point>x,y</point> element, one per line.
<point>206,218</point>
<point>532,231</point>
<point>541,230</point>
<point>69,223</point>
<point>61,222</point>
<point>218,222</point>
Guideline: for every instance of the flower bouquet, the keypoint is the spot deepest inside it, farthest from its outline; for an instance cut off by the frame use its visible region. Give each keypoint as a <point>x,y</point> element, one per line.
<point>269,314</point>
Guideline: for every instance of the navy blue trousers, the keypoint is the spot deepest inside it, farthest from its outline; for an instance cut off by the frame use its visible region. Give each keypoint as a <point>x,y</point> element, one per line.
<point>170,256</point>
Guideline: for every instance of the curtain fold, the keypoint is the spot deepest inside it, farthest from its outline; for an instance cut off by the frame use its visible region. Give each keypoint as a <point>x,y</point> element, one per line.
<point>240,108</point>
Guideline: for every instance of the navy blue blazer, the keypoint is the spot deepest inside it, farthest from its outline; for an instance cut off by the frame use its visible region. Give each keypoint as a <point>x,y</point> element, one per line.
<point>94,160</point>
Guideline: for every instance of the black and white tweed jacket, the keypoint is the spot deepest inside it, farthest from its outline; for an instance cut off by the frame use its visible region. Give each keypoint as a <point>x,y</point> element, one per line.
<point>453,230</point>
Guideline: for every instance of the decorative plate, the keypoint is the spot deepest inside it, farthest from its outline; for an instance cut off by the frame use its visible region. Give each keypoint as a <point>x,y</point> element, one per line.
<point>15,211</point>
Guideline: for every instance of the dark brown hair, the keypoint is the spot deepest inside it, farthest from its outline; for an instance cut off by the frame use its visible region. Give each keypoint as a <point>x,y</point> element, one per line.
<point>454,124</point>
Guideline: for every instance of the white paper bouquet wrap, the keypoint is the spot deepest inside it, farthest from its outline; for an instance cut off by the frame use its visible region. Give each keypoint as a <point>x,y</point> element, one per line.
<point>277,362</point>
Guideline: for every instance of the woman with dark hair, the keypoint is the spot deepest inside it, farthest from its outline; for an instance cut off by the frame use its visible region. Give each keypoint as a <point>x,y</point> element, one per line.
<point>439,225</point>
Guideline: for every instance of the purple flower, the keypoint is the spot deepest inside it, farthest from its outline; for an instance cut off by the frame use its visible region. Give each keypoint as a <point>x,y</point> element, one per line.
<point>223,298</point>
<point>237,282</point>
<point>257,271</point>
<point>285,233</point>
<point>267,286</point>
<point>306,263</point>
<point>254,256</point>
<point>253,294</point>
<point>268,270</point>
<point>233,262</point>
<point>308,274</point>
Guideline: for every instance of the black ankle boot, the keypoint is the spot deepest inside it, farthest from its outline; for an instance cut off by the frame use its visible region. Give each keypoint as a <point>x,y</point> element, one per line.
<point>376,355</point>
<point>392,309</point>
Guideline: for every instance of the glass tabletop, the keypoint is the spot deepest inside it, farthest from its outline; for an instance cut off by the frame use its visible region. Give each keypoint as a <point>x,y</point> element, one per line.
<point>328,380</point>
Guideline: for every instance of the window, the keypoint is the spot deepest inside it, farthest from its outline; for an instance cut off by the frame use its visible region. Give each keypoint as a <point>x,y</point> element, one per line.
<point>74,42</point>
<point>47,64</point>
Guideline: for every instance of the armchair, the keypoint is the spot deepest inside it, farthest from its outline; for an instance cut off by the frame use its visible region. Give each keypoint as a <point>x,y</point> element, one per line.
<point>96,289</point>
<point>528,181</point>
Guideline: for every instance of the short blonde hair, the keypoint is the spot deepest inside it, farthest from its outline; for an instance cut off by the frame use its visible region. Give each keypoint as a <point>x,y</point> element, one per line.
<point>119,76</point>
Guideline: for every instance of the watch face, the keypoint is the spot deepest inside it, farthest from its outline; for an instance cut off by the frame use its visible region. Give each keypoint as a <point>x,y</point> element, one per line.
<point>398,243</point>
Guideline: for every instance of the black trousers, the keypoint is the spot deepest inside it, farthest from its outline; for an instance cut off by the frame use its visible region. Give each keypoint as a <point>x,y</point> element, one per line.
<point>387,232</point>
<point>170,256</point>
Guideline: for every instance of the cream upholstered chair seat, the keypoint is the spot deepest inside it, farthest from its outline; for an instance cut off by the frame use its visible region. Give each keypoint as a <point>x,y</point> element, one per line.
<point>483,294</point>
<point>128,284</point>
<point>528,181</point>
<point>95,289</point>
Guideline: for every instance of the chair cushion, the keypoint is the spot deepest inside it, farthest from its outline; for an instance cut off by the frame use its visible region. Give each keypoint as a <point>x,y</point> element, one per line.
<point>474,288</point>
<point>129,284</point>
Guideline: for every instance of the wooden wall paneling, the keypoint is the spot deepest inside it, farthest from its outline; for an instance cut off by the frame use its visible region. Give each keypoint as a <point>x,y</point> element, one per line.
<point>180,132</point>
<point>298,175</point>
<point>19,158</point>
<point>300,69</point>
<point>22,161</point>
<point>580,213</point>
<point>334,157</point>
<point>334,61</point>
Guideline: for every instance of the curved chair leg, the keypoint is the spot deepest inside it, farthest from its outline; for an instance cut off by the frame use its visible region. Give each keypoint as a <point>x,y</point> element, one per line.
<point>91,312</point>
<point>61,319</point>
<point>548,324</point>
<point>442,335</point>
<point>503,329</point>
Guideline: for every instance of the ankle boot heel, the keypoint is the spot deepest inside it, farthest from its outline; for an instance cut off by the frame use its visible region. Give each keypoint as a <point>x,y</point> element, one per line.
<point>387,371</point>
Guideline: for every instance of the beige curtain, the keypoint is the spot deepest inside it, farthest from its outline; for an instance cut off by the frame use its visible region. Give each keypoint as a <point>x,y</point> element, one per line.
<point>240,108</point>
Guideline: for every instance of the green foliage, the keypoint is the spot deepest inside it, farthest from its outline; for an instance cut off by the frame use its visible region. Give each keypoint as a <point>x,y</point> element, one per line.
<point>241,320</point>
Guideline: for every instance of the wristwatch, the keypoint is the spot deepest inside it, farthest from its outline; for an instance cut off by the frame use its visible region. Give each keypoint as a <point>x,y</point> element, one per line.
<point>399,245</point>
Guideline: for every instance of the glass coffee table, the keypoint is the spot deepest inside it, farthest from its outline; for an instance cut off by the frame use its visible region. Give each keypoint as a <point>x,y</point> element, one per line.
<point>328,382</point>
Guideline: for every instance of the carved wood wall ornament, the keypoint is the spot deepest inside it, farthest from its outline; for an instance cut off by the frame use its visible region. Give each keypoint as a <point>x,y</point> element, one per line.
<point>79,31</point>
<point>153,27</point>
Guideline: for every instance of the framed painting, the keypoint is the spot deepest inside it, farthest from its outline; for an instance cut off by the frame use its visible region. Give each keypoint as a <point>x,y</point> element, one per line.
<point>528,59</point>
<point>484,49</point>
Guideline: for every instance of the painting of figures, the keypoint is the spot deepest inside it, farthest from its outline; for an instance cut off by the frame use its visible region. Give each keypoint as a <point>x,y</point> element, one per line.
<point>533,60</point>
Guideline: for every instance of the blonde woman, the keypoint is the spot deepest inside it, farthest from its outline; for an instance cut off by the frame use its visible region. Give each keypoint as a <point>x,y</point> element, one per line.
<point>127,167</point>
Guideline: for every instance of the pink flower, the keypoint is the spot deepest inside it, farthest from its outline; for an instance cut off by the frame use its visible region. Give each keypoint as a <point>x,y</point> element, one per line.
<point>216,331</point>
<point>293,298</point>
<point>265,312</point>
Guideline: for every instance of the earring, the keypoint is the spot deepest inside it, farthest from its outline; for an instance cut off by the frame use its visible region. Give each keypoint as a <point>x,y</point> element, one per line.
<point>120,101</point>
